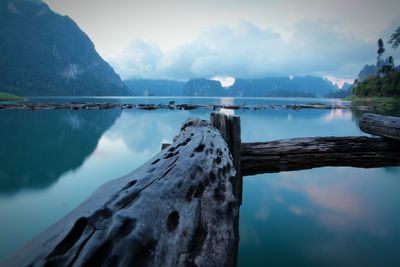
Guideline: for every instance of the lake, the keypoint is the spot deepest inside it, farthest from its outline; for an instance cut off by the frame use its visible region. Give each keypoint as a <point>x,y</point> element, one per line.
<point>52,160</point>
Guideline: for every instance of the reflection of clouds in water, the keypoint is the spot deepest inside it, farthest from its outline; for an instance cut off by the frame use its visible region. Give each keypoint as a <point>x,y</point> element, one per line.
<point>338,114</point>
<point>262,214</point>
<point>73,120</point>
<point>107,147</point>
<point>336,202</point>
<point>227,111</point>
<point>336,198</point>
<point>296,210</point>
<point>250,236</point>
<point>144,132</point>
<point>227,101</point>
<point>279,199</point>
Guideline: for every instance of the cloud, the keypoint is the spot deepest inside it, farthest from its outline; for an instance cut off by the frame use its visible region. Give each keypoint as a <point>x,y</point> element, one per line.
<point>248,51</point>
<point>138,59</point>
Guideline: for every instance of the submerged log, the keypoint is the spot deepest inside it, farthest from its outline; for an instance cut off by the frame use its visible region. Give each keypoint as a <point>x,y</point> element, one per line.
<point>385,126</point>
<point>178,209</point>
<point>306,153</point>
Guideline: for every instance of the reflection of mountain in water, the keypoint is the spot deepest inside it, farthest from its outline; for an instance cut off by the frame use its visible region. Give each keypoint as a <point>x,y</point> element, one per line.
<point>38,147</point>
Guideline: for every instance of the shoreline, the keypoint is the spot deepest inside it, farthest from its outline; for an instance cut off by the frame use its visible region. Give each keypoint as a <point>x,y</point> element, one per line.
<point>170,106</point>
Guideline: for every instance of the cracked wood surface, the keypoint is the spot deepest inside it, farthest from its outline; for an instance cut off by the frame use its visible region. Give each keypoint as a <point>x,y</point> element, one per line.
<point>385,126</point>
<point>311,152</point>
<point>178,209</point>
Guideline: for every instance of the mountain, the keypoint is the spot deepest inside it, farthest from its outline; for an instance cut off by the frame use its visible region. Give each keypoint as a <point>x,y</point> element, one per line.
<point>307,86</point>
<point>142,87</point>
<point>203,87</point>
<point>346,86</point>
<point>62,141</point>
<point>44,53</point>
<point>367,72</point>
<point>343,92</point>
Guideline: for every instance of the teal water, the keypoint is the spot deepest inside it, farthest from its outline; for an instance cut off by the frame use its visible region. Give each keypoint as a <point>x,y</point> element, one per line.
<point>51,160</point>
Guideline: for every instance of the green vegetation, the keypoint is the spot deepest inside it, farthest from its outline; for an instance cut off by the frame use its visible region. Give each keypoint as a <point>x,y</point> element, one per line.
<point>395,38</point>
<point>10,97</point>
<point>386,83</point>
<point>388,86</point>
<point>380,51</point>
<point>381,105</point>
<point>48,55</point>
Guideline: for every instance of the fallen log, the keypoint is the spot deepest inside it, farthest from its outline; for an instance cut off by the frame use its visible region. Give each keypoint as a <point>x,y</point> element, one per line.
<point>384,126</point>
<point>306,153</point>
<point>178,209</point>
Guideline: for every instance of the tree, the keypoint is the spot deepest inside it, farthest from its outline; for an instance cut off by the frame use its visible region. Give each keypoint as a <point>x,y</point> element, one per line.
<point>388,66</point>
<point>395,38</point>
<point>380,51</point>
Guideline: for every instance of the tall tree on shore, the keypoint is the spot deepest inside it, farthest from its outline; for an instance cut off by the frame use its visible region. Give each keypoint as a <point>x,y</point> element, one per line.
<point>380,51</point>
<point>395,38</point>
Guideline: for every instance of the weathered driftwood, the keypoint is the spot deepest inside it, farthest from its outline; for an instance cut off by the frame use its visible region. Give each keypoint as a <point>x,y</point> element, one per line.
<point>307,153</point>
<point>385,126</point>
<point>176,210</point>
<point>229,127</point>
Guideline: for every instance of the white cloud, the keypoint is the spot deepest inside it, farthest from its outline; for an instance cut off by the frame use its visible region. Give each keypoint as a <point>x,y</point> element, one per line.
<point>248,51</point>
<point>140,59</point>
<point>226,81</point>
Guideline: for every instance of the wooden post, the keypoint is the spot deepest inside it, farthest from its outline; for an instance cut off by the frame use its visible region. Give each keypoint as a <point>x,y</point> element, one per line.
<point>178,209</point>
<point>229,127</point>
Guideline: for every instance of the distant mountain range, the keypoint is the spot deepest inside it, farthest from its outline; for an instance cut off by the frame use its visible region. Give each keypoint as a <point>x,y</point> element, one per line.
<point>143,87</point>
<point>367,72</point>
<point>44,53</point>
<point>307,86</point>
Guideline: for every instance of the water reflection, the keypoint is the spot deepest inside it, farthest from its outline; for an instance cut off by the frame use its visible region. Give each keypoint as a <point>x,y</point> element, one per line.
<point>338,114</point>
<point>321,217</point>
<point>144,131</point>
<point>227,101</point>
<point>38,147</point>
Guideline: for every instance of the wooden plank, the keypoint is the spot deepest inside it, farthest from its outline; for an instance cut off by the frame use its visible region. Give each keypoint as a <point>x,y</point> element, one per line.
<point>384,126</point>
<point>306,153</point>
<point>178,209</point>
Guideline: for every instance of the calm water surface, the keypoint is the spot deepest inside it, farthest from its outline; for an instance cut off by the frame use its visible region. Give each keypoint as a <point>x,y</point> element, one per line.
<point>51,160</point>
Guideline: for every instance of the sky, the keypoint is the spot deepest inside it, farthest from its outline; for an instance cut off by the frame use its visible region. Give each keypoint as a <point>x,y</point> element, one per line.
<point>183,39</point>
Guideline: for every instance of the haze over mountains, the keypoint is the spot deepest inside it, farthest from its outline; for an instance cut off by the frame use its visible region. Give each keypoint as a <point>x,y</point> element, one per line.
<point>308,86</point>
<point>44,53</point>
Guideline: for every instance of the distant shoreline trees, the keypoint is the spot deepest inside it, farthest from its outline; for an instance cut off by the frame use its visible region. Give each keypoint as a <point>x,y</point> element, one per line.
<point>395,38</point>
<point>386,82</point>
<point>380,51</point>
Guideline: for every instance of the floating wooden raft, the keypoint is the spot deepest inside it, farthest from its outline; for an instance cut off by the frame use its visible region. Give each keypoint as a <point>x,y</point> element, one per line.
<point>178,209</point>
